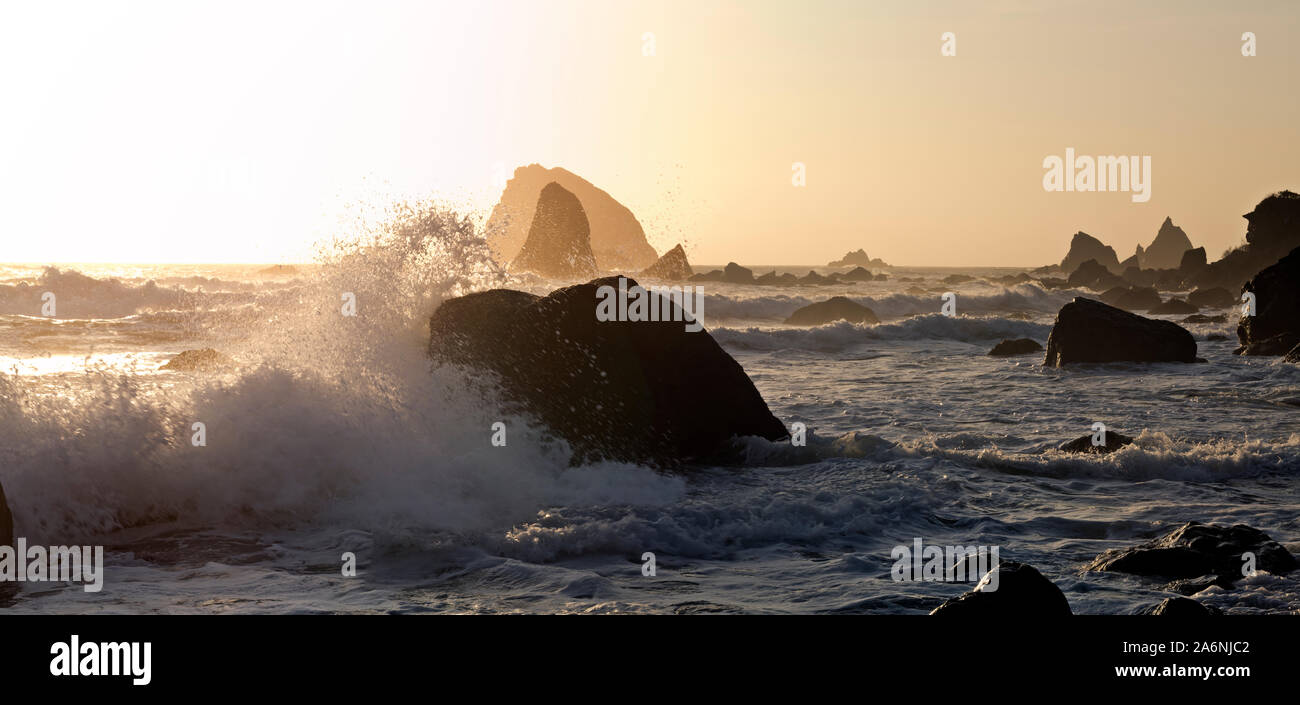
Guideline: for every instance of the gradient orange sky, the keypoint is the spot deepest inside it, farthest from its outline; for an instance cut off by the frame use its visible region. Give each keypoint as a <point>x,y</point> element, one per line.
<point>227,132</point>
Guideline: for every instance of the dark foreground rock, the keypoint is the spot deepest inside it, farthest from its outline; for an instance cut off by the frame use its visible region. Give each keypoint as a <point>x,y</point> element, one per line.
<point>1020,346</point>
<point>1083,444</point>
<point>636,391</point>
<point>673,266</point>
<point>1280,344</point>
<point>1090,331</point>
<point>204,360</point>
<point>836,308</point>
<point>1277,303</point>
<point>1196,550</point>
<point>1182,607</point>
<point>1021,592</point>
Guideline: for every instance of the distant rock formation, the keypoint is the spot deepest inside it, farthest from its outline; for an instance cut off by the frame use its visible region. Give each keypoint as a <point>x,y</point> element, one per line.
<point>672,266</point>
<point>617,239</point>
<point>1019,346</point>
<point>1091,331</point>
<point>558,243</point>
<point>633,391</point>
<point>1093,275</point>
<point>1166,251</point>
<point>736,274</point>
<point>836,308</point>
<point>1193,261</point>
<point>1021,592</point>
<point>1085,247</point>
<point>858,258</point>
<point>1217,297</point>
<point>1277,305</point>
<point>858,274</point>
<point>203,360</point>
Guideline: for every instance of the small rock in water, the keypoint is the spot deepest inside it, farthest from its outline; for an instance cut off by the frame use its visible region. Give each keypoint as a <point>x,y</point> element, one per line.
<point>1194,550</point>
<point>1020,346</point>
<point>1022,591</point>
<point>1083,444</point>
<point>836,308</point>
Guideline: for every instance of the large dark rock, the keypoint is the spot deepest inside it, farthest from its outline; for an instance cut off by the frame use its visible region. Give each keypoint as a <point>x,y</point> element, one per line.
<point>1090,331</point>
<point>672,266</point>
<point>559,240</point>
<point>1214,297</point>
<point>1019,346</point>
<point>1083,444</point>
<point>1277,303</point>
<point>617,239</point>
<point>1273,231</point>
<point>836,308</point>
<point>1166,251</point>
<point>1084,247</point>
<point>1021,592</point>
<point>6,522</point>
<point>636,391</point>
<point>1194,550</point>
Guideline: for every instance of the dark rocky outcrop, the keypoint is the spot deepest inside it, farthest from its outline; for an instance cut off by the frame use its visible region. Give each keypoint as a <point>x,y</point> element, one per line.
<point>736,274</point>
<point>1196,550</point>
<point>1193,262</point>
<point>858,258</point>
<point>204,360</point>
<point>1273,230</point>
<point>1020,346</point>
<point>1214,297</point>
<point>813,277</point>
<point>1137,298</point>
<point>836,308</point>
<point>635,391</point>
<point>1022,592</point>
<point>617,239</point>
<point>1174,306</point>
<point>1083,444</point>
<point>1084,247</point>
<point>713,275</point>
<point>672,266</point>
<point>1277,304</point>
<point>1091,331</point>
<point>858,274</point>
<point>1182,607</point>
<point>1093,275</point>
<point>1280,344</point>
<point>1166,251</point>
<point>558,243</point>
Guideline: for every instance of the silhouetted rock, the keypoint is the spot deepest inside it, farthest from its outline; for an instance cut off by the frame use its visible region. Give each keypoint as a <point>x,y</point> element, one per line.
<point>1216,297</point>
<point>203,360</point>
<point>1083,444</point>
<point>1020,346</point>
<point>1194,550</point>
<point>1182,607</point>
<point>1279,344</point>
<point>714,275</point>
<point>1166,251</point>
<point>1022,592</point>
<point>1202,318</point>
<point>1140,277</point>
<point>1277,304</point>
<point>1052,283</point>
<point>621,390</point>
<point>1273,230</point>
<point>736,274</point>
<point>1138,298</point>
<point>1093,275</point>
<point>1084,247</point>
<point>813,277</point>
<point>1090,331</point>
<point>672,266</point>
<point>1174,306</point>
<point>856,257</point>
<point>857,274</point>
<point>558,243</point>
<point>617,240</point>
<point>836,308</point>
<point>1193,262</point>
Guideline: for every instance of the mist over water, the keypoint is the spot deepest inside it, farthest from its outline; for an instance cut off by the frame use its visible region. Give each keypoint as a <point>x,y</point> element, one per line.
<point>335,434</point>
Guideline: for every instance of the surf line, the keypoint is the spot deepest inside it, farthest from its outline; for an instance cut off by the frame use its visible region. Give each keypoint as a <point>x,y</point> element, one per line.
<point>38,564</point>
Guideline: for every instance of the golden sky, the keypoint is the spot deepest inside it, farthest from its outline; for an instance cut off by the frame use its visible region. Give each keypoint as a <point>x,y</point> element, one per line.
<point>233,131</point>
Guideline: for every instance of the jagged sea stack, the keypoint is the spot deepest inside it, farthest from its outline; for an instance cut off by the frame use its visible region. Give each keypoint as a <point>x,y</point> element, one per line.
<point>559,239</point>
<point>672,266</point>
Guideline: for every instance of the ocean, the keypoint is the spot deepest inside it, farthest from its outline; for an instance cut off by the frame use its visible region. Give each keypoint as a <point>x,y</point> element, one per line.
<point>334,434</point>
